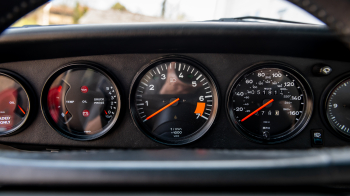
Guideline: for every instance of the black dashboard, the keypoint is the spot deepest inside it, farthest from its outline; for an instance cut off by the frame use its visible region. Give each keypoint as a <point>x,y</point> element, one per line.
<point>252,107</point>
<point>220,51</point>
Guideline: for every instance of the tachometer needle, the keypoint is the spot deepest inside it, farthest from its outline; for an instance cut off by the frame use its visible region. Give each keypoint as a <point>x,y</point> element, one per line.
<point>163,108</point>
<point>257,110</point>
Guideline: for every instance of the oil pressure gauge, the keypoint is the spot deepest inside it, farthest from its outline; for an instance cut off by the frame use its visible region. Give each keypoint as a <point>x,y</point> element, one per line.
<point>269,102</point>
<point>81,101</point>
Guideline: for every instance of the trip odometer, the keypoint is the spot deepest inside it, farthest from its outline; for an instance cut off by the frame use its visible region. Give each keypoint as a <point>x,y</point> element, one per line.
<point>173,100</point>
<point>269,102</point>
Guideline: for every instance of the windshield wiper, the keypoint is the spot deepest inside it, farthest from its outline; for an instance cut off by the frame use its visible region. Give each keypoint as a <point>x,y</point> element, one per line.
<point>255,19</point>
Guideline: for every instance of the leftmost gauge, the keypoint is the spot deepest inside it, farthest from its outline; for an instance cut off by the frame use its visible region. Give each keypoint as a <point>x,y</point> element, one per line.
<point>16,101</point>
<point>81,101</point>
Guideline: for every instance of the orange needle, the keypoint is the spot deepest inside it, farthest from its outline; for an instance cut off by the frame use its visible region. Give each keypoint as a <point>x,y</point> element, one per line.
<point>163,108</point>
<point>21,109</point>
<point>257,110</point>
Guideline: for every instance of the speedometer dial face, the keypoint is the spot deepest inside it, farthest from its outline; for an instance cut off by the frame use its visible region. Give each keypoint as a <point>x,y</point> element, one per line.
<point>174,100</point>
<point>338,107</point>
<point>269,103</point>
<point>81,101</point>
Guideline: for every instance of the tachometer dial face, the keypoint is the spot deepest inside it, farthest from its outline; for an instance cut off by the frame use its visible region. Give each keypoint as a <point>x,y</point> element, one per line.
<point>269,103</point>
<point>174,101</point>
<point>14,103</point>
<point>338,107</point>
<point>81,101</point>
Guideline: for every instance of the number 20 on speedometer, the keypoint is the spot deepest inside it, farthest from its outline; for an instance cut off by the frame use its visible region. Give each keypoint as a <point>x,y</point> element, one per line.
<point>174,100</point>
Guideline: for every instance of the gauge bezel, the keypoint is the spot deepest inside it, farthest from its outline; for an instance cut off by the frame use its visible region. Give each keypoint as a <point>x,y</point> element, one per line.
<point>201,131</point>
<point>31,99</point>
<point>81,65</point>
<point>323,105</point>
<point>290,133</point>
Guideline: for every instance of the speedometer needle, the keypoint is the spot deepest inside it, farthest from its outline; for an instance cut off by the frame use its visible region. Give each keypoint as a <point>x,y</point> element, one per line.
<point>163,108</point>
<point>257,110</point>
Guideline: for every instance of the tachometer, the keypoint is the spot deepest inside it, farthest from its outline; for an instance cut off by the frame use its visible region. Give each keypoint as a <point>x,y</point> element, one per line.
<point>174,100</point>
<point>269,102</point>
<point>81,101</point>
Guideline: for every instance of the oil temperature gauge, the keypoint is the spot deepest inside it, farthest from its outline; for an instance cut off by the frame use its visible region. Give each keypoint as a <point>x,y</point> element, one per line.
<point>81,101</point>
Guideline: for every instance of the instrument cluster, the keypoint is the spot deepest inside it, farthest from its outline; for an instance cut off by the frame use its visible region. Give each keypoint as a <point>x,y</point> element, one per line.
<point>175,100</point>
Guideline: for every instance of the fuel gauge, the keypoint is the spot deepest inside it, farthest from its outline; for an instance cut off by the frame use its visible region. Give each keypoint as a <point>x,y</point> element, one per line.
<point>15,101</point>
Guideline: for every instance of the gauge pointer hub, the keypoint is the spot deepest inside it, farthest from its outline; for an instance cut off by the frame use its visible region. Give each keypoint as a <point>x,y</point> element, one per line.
<point>163,108</point>
<point>173,99</point>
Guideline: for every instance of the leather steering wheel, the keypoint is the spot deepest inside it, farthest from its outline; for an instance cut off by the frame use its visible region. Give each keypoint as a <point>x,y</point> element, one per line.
<point>334,13</point>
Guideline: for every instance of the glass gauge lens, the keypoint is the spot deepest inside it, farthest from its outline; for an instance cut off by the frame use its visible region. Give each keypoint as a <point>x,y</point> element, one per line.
<point>269,103</point>
<point>338,107</point>
<point>81,102</point>
<point>14,104</point>
<point>174,101</point>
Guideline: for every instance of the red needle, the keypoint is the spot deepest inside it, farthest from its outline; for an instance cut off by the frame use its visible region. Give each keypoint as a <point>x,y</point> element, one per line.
<point>21,109</point>
<point>257,110</point>
<point>163,108</point>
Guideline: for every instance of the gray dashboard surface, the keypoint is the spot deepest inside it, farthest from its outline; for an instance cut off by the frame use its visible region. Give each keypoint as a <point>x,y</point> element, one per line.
<point>124,66</point>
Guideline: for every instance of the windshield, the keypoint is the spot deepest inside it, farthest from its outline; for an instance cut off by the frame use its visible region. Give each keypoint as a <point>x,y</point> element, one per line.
<point>63,12</point>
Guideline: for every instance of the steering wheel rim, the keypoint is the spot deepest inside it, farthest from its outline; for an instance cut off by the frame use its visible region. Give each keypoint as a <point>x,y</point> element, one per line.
<point>335,15</point>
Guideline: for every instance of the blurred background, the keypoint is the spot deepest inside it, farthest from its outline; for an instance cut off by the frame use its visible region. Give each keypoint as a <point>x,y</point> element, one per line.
<point>63,12</point>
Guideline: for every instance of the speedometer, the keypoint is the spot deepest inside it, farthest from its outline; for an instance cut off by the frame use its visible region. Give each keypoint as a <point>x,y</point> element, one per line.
<point>174,100</point>
<point>269,102</point>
